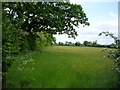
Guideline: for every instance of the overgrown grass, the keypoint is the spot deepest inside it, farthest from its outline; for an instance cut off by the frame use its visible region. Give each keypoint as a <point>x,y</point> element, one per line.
<point>63,67</point>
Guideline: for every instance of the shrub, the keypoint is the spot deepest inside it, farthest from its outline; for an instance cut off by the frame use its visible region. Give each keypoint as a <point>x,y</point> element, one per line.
<point>114,55</point>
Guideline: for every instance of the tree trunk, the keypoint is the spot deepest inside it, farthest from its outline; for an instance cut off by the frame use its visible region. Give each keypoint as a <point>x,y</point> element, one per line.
<point>4,74</point>
<point>31,41</point>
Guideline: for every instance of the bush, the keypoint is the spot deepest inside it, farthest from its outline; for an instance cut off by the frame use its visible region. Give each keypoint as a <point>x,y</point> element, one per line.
<point>115,55</point>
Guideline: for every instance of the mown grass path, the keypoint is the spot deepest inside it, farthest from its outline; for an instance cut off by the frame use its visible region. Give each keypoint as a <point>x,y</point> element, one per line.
<point>63,67</point>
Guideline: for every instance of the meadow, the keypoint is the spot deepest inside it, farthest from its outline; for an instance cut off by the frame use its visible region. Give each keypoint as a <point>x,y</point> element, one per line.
<point>63,67</point>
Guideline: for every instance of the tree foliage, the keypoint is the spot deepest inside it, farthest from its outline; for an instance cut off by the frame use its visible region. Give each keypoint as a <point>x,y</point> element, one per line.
<point>11,39</point>
<point>87,43</point>
<point>50,17</point>
<point>77,44</point>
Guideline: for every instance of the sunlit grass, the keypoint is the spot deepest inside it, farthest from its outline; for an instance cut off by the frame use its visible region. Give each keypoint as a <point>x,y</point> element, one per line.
<point>63,67</point>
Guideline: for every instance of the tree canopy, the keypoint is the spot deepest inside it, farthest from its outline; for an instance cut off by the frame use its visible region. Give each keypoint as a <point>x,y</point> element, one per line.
<point>48,17</point>
<point>43,16</point>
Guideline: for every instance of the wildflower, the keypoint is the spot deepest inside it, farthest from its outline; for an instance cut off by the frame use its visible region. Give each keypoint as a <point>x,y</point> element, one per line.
<point>118,58</point>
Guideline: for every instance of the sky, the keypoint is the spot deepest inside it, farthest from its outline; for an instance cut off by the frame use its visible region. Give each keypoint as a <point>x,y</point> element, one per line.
<point>102,16</point>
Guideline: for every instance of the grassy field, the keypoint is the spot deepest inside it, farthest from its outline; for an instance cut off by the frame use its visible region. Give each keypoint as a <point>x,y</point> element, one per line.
<point>63,67</point>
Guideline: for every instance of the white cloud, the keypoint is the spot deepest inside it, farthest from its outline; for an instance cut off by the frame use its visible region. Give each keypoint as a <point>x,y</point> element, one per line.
<point>109,24</point>
<point>113,14</point>
<point>90,33</point>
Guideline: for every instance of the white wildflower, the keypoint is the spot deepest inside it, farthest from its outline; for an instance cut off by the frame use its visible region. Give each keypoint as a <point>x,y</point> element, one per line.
<point>118,58</point>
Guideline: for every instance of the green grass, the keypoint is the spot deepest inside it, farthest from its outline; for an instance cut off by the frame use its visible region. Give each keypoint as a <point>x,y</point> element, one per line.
<point>63,67</point>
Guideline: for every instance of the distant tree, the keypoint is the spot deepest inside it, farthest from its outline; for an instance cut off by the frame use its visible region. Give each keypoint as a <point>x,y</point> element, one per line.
<point>94,43</point>
<point>66,43</point>
<point>69,43</point>
<point>90,44</point>
<point>72,44</point>
<point>85,43</point>
<point>77,43</point>
<point>61,43</point>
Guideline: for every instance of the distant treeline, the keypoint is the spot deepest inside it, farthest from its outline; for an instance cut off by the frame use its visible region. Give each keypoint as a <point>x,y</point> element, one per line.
<point>85,43</point>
